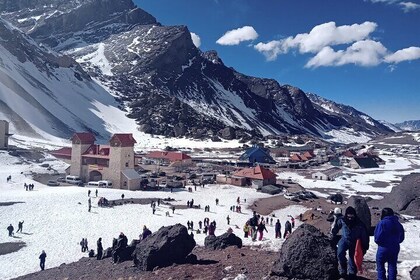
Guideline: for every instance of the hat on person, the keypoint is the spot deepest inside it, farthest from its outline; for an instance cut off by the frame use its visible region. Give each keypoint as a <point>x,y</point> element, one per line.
<point>337,210</point>
<point>350,210</point>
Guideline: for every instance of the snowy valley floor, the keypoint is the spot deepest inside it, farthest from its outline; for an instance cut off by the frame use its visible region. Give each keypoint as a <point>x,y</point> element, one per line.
<point>57,218</point>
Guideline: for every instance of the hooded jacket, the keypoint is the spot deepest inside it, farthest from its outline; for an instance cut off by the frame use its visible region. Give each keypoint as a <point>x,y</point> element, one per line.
<point>389,233</point>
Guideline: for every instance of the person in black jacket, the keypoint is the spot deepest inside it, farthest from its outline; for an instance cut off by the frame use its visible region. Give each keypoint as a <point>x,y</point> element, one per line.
<point>277,229</point>
<point>42,260</point>
<point>287,229</point>
<point>100,249</point>
<point>10,229</point>
<point>352,229</point>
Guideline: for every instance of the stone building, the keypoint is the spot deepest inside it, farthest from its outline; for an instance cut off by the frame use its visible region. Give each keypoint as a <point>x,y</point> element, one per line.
<point>4,134</point>
<point>94,162</point>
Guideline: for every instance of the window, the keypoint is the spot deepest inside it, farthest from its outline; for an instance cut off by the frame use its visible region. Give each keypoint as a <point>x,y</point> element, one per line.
<point>125,183</point>
<point>126,164</point>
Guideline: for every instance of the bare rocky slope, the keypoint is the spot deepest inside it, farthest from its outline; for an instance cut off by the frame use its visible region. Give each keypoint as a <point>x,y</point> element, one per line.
<point>168,85</point>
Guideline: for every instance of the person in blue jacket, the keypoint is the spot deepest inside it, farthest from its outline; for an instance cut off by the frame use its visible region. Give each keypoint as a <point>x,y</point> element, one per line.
<point>389,233</point>
<point>352,229</point>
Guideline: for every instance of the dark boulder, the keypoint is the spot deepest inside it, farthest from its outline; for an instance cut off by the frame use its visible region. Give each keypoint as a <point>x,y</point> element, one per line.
<point>405,197</point>
<point>362,210</point>
<point>415,273</point>
<point>222,241</point>
<point>307,254</point>
<point>165,247</point>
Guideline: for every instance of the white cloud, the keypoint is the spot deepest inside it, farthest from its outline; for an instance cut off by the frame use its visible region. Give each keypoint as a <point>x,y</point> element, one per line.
<point>236,36</point>
<point>409,6</point>
<point>326,34</point>
<point>196,39</point>
<point>363,53</point>
<point>411,53</point>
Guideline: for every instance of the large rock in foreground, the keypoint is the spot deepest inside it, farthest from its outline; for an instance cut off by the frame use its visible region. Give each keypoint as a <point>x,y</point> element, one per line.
<point>362,210</point>
<point>222,241</point>
<point>165,247</point>
<point>405,198</point>
<point>307,254</point>
<point>415,273</point>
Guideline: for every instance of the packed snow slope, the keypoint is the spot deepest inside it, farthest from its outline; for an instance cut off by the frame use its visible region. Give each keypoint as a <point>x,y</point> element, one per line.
<point>169,86</point>
<point>57,218</point>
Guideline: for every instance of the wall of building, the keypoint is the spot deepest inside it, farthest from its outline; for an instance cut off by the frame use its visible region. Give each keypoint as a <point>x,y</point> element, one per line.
<point>4,138</point>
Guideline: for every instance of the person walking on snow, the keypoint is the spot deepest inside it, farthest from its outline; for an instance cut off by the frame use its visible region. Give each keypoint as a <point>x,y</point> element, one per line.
<point>42,258</point>
<point>287,229</point>
<point>20,227</point>
<point>228,220</point>
<point>246,229</point>
<point>96,193</point>
<point>10,229</point>
<point>89,193</point>
<point>261,228</point>
<point>389,233</point>
<point>277,229</point>
<point>99,249</point>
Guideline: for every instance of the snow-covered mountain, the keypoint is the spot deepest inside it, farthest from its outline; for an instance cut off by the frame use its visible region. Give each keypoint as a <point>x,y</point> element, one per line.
<point>391,126</point>
<point>168,85</point>
<point>46,94</point>
<point>412,125</point>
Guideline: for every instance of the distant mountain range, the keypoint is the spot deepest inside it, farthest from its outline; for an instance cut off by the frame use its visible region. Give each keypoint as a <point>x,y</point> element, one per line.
<point>74,64</point>
<point>413,125</point>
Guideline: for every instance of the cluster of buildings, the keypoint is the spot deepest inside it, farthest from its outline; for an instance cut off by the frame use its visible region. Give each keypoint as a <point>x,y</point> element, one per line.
<point>4,135</point>
<point>118,163</point>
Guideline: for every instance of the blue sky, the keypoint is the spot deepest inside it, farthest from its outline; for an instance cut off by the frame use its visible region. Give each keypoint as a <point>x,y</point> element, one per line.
<point>363,53</point>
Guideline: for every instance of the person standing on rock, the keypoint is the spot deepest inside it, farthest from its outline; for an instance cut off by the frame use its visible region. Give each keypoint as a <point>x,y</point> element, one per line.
<point>99,248</point>
<point>42,258</point>
<point>277,229</point>
<point>389,233</point>
<point>146,233</point>
<point>212,228</point>
<point>287,229</point>
<point>352,229</point>
<point>293,222</point>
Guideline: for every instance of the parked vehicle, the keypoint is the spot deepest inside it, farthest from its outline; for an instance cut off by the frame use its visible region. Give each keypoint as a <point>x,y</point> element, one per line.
<point>162,174</point>
<point>53,183</point>
<point>61,179</point>
<point>93,184</point>
<point>105,184</point>
<point>290,196</point>
<point>75,180</point>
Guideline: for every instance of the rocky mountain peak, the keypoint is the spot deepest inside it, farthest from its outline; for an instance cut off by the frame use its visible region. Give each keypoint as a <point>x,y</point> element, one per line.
<point>213,57</point>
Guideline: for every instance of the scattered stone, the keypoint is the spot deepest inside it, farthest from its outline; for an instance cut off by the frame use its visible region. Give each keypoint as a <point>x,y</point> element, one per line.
<point>222,241</point>
<point>163,248</point>
<point>307,254</point>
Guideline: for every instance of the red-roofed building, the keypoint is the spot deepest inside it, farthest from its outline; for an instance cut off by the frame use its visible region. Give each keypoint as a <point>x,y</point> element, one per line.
<point>63,154</point>
<point>168,158</point>
<point>257,176</point>
<point>94,162</point>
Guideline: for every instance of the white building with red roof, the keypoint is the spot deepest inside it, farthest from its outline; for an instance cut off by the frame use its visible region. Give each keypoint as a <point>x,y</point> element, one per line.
<point>94,162</point>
